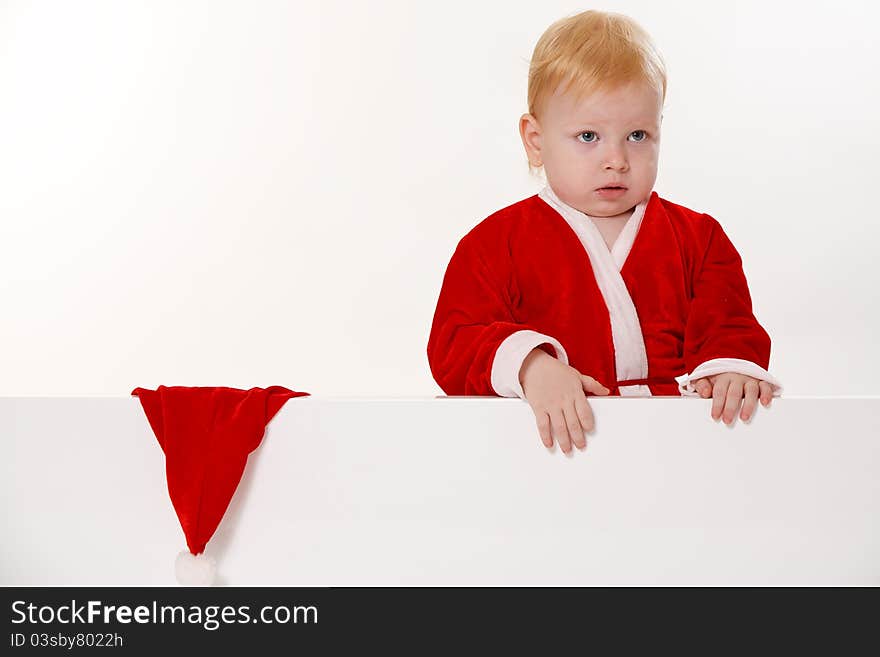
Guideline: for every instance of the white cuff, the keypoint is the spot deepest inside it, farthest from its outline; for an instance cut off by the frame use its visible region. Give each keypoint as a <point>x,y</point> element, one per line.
<point>509,358</point>
<point>719,365</point>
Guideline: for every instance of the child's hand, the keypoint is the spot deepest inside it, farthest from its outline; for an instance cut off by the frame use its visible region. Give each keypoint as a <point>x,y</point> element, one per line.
<point>555,391</point>
<point>727,391</point>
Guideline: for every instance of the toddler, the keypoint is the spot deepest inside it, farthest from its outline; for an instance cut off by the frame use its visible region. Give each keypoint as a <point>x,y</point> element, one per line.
<point>597,285</point>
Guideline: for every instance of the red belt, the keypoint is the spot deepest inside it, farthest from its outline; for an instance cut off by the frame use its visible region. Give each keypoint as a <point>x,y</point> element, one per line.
<point>656,380</point>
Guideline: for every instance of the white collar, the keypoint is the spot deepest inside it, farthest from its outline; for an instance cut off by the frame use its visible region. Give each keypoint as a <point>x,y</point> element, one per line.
<point>575,218</point>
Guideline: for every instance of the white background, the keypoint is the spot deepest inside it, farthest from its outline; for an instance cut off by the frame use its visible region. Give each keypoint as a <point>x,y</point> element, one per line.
<point>268,193</point>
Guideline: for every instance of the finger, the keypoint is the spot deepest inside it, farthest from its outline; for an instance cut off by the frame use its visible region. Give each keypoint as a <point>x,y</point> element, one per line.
<point>585,413</point>
<point>751,400</point>
<point>560,431</point>
<point>766,392</point>
<point>543,422</point>
<point>704,388</point>
<point>575,430</point>
<point>590,384</point>
<point>732,401</point>
<point>719,391</point>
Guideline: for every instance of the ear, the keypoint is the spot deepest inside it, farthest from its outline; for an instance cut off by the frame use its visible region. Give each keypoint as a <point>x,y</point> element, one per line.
<point>530,132</point>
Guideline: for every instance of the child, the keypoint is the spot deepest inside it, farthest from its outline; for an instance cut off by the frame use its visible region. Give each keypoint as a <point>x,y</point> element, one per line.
<point>597,285</point>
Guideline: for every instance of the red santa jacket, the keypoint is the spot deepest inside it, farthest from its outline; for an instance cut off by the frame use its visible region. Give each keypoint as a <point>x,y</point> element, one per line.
<point>525,269</point>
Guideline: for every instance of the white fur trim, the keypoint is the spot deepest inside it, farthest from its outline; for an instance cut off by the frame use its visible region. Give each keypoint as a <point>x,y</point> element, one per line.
<point>509,358</point>
<point>721,365</point>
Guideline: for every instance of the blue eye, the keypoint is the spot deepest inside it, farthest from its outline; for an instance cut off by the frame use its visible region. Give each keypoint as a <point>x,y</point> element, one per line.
<point>587,141</point>
<point>642,132</point>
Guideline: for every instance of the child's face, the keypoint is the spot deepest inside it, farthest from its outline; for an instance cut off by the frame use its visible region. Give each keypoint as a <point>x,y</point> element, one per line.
<point>606,138</point>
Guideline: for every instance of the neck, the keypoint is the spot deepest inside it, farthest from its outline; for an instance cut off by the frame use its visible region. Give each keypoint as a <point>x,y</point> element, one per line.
<point>623,216</point>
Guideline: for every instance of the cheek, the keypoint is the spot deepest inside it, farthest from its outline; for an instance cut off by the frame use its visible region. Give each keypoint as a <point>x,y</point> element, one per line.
<point>575,157</point>
<point>646,160</point>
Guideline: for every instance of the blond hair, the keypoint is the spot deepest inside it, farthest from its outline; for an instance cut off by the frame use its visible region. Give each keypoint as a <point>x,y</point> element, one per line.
<point>591,51</point>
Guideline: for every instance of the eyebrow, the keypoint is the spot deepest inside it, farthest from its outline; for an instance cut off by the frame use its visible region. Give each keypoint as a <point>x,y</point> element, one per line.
<point>647,122</point>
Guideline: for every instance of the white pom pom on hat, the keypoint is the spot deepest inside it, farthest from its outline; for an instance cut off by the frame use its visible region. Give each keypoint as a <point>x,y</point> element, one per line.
<point>195,569</point>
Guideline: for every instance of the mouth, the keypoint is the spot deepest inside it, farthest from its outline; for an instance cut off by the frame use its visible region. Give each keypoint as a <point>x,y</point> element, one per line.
<point>612,187</point>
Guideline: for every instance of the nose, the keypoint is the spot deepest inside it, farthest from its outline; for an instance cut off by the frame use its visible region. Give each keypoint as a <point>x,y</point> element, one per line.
<point>615,159</point>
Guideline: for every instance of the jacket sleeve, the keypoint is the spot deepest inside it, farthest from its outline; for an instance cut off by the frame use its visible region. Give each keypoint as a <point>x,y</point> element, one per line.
<point>473,317</point>
<point>720,321</point>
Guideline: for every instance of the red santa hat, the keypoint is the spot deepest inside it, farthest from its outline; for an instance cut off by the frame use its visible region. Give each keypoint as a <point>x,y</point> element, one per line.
<point>206,434</point>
